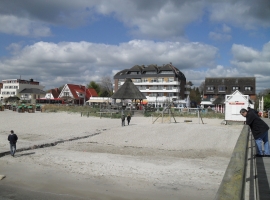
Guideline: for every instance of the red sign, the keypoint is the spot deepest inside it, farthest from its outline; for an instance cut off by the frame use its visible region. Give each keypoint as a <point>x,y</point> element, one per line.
<point>236,103</point>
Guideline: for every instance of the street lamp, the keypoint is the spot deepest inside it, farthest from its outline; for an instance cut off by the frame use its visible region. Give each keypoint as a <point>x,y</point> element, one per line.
<point>84,95</point>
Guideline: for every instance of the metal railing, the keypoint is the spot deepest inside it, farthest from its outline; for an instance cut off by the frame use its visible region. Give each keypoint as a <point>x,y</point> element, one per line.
<point>232,186</point>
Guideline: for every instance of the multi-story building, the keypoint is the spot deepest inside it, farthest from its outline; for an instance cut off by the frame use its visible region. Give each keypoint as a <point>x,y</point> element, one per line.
<point>157,83</point>
<point>14,87</point>
<point>219,87</point>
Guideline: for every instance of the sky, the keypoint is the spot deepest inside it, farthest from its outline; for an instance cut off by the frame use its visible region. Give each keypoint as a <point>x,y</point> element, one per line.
<point>57,42</point>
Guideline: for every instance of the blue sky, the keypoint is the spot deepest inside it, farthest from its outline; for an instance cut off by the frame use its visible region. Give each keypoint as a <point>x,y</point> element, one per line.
<point>65,41</point>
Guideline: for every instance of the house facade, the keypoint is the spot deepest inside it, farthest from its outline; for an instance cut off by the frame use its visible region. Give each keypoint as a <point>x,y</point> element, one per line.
<point>77,94</point>
<point>15,87</point>
<point>157,83</point>
<point>216,87</point>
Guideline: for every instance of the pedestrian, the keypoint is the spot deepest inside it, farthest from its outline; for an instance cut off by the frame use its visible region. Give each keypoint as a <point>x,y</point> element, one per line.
<point>128,118</point>
<point>12,138</point>
<point>123,119</point>
<point>259,131</point>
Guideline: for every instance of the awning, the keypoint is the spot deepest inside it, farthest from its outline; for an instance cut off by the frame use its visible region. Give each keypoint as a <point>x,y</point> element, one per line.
<point>98,101</point>
<point>206,103</point>
<point>144,101</point>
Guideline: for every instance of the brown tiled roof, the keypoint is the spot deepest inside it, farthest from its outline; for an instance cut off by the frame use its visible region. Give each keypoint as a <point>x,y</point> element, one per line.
<point>55,92</point>
<point>128,91</point>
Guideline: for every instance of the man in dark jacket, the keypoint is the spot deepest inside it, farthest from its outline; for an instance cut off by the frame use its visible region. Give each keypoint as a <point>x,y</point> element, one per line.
<point>123,119</point>
<point>12,138</point>
<point>128,118</point>
<point>255,111</point>
<point>259,131</point>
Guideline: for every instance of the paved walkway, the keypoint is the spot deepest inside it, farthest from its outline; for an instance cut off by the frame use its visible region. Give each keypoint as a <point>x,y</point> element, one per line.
<point>263,174</point>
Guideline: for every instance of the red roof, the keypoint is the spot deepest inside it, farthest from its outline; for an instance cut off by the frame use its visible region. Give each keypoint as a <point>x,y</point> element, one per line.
<point>90,92</point>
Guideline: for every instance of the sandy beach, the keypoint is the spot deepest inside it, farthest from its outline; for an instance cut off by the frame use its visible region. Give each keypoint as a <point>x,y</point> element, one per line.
<point>140,161</point>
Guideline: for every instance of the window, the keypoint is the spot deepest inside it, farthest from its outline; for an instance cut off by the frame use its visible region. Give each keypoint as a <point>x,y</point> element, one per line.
<point>160,80</point>
<point>166,72</point>
<point>171,79</point>
<point>247,88</point>
<point>221,88</point>
<point>137,80</point>
<point>66,94</point>
<point>133,73</point>
<point>235,88</point>
<point>210,88</point>
<point>144,80</point>
<point>16,87</point>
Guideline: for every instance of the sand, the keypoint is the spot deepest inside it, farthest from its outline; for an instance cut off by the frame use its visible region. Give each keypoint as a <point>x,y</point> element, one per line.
<point>140,161</point>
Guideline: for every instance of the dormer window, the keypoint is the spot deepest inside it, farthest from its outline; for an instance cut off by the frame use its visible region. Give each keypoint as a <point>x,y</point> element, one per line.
<point>210,88</point>
<point>222,88</point>
<point>247,88</point>
<point>235,88</point>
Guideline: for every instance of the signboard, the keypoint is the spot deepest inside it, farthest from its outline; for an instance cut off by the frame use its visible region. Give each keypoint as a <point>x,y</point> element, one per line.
<point>237,103</point>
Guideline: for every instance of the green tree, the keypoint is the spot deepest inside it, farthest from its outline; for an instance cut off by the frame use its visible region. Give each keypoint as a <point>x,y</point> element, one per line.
<point>95,86</point>
<point>195,95</point>
<point>267,102</point>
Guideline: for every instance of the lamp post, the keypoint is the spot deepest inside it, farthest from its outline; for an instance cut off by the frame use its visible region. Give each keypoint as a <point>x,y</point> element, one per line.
<point>84,95</point>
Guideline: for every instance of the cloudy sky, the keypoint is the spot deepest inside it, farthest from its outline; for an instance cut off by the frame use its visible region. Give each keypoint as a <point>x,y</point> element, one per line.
<point>65,41</point>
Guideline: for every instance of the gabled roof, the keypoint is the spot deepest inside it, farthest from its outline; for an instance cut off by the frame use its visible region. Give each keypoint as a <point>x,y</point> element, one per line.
<point>91,92</point>
<point>128,91</point>
<point>74,89</point>
<point>55,92</point>
<point>32,91</point>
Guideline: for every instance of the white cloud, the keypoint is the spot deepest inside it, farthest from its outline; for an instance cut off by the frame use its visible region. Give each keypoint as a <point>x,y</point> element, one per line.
<point>250,60</point>
<point>161,19</point>
<point>22,26</point>
<point>248,14</point>
<point>83,61</point>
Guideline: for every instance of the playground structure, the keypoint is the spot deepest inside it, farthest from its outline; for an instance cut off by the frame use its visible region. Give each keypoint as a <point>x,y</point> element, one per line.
<point>167,111</point>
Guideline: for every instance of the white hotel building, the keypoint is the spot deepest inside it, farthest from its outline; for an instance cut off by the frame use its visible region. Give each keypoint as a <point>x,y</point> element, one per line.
<point>24,89</point>
<point>158,83</point>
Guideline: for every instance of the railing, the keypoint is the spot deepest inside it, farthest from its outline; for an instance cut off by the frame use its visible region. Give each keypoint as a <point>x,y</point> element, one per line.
<point>232,186</point>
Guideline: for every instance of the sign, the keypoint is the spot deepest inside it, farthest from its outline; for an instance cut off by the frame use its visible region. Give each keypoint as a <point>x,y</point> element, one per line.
<point>236,103</point>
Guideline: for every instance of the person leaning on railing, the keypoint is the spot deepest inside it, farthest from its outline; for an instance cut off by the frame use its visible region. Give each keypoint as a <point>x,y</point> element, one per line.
<point>259,131</point>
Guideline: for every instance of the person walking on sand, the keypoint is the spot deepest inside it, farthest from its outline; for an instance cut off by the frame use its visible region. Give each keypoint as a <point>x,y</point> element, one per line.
<point>12,138</point>
<point>128,119</point>
<point>259,131</point>
<point>123,119</point>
